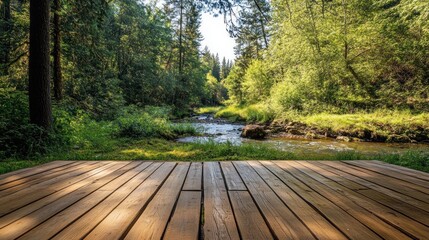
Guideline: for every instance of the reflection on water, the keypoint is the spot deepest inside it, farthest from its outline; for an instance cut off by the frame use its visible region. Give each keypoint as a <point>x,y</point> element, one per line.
<point>221,131</point>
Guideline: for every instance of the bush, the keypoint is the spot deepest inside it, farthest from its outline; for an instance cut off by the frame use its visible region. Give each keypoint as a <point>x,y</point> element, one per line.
<point>152,122</point>
<point>260,113</point>
<point>20,138</point>
<point>257,82</point>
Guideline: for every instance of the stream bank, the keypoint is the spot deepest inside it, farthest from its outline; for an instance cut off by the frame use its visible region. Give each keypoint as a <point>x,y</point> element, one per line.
<point>288,137</point>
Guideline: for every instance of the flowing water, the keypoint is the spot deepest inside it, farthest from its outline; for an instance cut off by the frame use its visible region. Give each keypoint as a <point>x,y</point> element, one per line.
<point>222,131</point>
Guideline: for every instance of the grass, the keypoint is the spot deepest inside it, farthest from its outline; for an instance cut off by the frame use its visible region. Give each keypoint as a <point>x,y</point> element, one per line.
<point>146,140</point>
<point>253,113</point>
<point>384,124</point>
<point>208,110</point>
<point>163,150</point>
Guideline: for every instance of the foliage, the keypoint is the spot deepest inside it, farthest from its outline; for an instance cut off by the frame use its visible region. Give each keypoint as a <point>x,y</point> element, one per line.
<point>140,124</point>
<point>19,138</point>
<point>253,113</point>
<point>207,110</point>
<point>257,82</point>
<point>214,91</point>
<point>338,57</point>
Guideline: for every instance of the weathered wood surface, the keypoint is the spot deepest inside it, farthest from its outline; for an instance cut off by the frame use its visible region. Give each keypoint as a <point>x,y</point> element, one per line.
<point>215,200</point>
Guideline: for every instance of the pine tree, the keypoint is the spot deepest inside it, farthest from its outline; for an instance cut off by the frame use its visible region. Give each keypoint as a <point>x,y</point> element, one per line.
<point>216,67</point>
<point>57,71</point>
<point>223,69</point>
<point>5,32</point>
<point>39,71</point>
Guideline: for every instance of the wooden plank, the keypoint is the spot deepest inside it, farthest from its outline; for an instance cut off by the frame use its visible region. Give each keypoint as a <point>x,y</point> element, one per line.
<point>407,225</point>
<point>399,196</point>
<point>15,186</point>
<point>249,220</point>
<point>346,223</point>
<point>78,229</point>
<point>115,225</point>
<point>87,178</point>
<point>384,182</point>
<point>406,188</point>
<point>397,205</point>
<point>185,221</point>
<point>404,170</point>
<point>122,185</point>
<point>283,223</point>
<point>193,180</point>
<point>14,201</point>
<point>21,226</point>
<point>317,224</point>
<point>385,171</point>
<point>232,179</point>
<point>26,172</point>
<point>153,221</point>
<point>219,222</point>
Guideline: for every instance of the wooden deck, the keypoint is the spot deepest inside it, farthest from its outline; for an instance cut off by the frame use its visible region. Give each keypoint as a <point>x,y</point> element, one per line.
<point>215,200</point>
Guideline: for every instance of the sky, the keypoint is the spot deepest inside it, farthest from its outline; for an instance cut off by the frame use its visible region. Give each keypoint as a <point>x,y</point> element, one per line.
<point>216,38</point>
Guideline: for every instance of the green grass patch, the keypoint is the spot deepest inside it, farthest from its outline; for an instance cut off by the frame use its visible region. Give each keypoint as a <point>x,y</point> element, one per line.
<point>258,113</point>
<point>383,124</point>
<point>208,110</point>
<point>166,150</point>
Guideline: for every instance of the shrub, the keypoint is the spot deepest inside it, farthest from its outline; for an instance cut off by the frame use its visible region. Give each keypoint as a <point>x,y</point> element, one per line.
<point>260,113</point>
<point>152,123</point>
<point>20,138</point>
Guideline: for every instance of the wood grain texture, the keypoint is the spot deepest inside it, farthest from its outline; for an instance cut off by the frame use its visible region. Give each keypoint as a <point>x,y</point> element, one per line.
<point>281,220</point>
<point>153,220</point>
<point>319,226</point>
<point>219,221</point>
<point>400,169</point>
<point>394,174</point>
<point>193,180</point>
<point>56,223</point>
<point>214,200</point>
<point>372,207</point>
<point>369,185</point>
<point>185,221</point>
<point>117,223</point>
<point>25,172</point>
<point>232,179</point>
<point>80,228</point>
<point>87,179</point>
<point>26,223</point>
<point>15,186</point>
<point>249,220</point>
<point>19,199</point>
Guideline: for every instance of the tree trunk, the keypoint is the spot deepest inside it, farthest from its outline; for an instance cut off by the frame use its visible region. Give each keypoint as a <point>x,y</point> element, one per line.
<point>58,78</point>
<point>181,38</point>
<point>5,28</point>
<point>39,76</point>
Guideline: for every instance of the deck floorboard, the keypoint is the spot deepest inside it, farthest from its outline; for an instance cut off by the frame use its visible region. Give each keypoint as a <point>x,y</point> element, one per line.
<point>215,200</point>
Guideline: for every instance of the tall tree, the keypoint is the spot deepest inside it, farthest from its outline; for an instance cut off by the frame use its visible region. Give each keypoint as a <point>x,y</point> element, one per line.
<point>5,43</point>
<point>223,69</point>
<point>58,78</point>
<point>39,76</point>
<point>216,67</point>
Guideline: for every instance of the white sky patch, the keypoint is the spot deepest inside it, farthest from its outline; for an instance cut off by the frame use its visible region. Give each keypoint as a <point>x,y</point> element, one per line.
<point>216,38</point>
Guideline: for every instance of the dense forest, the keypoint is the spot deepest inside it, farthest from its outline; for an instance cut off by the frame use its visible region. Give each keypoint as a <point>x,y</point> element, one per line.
<point>336,56</point>
<point>106,60</point>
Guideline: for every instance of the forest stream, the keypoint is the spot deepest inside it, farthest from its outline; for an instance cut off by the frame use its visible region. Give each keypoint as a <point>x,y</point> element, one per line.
<point>223,131</point>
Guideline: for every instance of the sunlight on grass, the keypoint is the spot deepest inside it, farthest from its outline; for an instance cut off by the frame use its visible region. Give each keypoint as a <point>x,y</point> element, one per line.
<point>153,154</point>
